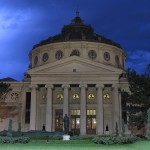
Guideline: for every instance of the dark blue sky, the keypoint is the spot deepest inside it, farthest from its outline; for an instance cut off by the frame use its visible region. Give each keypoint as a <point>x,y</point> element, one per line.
<point>24,23</point>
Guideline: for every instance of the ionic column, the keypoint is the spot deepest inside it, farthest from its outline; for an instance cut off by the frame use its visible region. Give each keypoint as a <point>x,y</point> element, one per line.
<point>65,103</point>
<point>83,109</point>
<point>99,111</point>
<point>33,108</point>
<point>49,108</point>
<point>116,107</point>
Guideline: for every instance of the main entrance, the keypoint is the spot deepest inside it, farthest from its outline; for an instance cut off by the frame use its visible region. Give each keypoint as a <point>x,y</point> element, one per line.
<point>75,121</point>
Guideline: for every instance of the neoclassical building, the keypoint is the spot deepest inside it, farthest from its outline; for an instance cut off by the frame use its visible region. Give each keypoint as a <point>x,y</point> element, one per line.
<point>78,73</point>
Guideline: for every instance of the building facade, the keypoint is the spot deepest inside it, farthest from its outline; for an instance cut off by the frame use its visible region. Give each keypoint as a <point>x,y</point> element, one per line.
<point>78,73</point>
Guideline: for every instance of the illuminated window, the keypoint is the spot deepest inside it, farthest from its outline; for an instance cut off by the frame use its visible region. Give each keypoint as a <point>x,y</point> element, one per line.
<point>106,96</point>
<point>60,97</point>
<point>75,112</point>
<point>75,96</point>
<point>91,96</point>
<point>91,112</point>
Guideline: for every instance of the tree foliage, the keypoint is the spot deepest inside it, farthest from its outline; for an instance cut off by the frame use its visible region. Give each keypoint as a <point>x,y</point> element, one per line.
<point>138,100</point>
<point>4,88</point>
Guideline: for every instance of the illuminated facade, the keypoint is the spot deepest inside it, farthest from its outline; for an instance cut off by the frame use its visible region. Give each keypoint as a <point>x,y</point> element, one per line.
<point>78,73</point>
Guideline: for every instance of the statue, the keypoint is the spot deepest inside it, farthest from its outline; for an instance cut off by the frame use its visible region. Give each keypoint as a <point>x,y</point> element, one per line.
<point>43,127</point>
<point>66,123</point>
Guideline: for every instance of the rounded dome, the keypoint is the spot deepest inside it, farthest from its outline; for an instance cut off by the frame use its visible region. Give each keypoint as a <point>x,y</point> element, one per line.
<point>77,31</point>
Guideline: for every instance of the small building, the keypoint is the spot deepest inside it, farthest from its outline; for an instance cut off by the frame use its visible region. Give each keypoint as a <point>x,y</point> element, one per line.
<point>77,72</point>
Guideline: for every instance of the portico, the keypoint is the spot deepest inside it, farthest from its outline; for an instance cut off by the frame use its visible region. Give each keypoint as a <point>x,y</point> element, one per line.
<point>86,116</point>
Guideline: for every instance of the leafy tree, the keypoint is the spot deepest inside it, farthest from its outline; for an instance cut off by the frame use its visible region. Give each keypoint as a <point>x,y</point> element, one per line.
<point>138,100</point>
<point>4,88</point>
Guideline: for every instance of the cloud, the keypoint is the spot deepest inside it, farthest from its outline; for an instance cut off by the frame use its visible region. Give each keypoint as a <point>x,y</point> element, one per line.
<point>138,60</point>
<point>25,23</point>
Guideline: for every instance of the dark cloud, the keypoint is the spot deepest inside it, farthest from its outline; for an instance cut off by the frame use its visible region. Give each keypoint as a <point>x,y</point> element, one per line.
<point>25,23</point>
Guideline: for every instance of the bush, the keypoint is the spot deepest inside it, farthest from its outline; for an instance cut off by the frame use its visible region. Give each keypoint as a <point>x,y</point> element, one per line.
<point>75,137</point>
<point>111,140</point>
<point>23,140</point>
<point>6,140</point>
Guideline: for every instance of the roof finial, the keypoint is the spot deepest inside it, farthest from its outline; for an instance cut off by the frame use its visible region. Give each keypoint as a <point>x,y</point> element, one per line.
<point>77,13</point>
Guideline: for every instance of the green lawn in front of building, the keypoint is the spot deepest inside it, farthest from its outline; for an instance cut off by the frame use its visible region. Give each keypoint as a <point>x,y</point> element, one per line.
<point>73,145</point>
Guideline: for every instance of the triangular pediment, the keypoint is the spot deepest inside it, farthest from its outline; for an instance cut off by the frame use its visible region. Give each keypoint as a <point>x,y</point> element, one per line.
<point>74,64</point>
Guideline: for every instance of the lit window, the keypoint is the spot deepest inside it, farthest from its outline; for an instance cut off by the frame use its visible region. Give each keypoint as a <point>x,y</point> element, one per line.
<point>60,97</point>
<point>75,96</point>
<point>106,96</point>
<point>91,112</point>
<point>75,112</point>
<point>91,96</point>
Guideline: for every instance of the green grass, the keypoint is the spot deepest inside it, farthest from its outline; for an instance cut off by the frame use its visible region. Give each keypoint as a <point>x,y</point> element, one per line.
<point>73,145</point>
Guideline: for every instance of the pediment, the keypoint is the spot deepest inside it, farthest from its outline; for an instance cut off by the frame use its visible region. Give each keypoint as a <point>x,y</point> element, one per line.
<point>74,65</point>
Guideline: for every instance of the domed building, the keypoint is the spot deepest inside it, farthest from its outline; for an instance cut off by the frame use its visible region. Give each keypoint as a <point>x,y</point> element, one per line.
<point>78,73</point>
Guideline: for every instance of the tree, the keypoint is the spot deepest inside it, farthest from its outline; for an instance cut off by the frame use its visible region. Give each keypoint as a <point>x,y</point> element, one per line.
<point>4,89</point>
<point>138,100</point>
<point>6,110</point>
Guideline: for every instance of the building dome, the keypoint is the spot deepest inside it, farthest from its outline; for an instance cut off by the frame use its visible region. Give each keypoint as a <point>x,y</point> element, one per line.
<point>77,31</point>
<point>77,39</point>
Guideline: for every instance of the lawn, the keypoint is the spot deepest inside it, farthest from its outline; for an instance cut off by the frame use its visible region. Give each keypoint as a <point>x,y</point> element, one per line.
<point>73,145</point>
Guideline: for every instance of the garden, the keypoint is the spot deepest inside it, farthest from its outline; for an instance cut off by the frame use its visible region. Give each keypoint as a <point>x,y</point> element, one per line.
<point>79,144</point>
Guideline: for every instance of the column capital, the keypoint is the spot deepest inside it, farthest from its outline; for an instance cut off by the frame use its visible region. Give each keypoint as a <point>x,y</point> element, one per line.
<point>49,86</point>
<point>100,85</point>
<point>65,86</point>
<point>33,86</point>
<point>83,85</point>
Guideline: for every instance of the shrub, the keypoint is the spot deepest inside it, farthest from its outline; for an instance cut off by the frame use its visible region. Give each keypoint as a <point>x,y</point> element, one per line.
<point>75,137</point>
<point>111,140</point>
<point>23,140</point>
<point>55,137</point>
<point>6,140</point>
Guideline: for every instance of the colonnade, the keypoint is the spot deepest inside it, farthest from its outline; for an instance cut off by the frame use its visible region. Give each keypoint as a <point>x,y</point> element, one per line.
<point>99,107</point>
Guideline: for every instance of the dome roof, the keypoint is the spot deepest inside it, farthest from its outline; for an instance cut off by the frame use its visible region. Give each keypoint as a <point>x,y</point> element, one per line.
<point>77,31</point>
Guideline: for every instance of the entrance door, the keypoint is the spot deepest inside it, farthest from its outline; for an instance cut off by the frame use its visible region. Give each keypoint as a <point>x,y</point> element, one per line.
<point>75,124</point>
<point>59,120</point>
<point>75,121</point>
<point>91,122</point>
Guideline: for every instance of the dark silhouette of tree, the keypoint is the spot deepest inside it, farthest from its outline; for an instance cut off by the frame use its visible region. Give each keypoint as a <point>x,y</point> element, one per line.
<point>137,102</point>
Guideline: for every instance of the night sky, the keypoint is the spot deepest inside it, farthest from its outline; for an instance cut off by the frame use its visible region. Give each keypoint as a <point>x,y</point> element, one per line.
<point>24,23</point>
